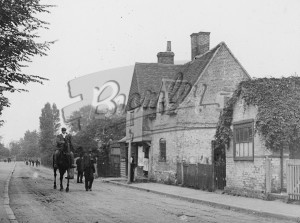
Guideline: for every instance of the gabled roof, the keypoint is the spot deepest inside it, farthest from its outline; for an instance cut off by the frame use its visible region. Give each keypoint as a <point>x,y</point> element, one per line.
<point>148,76</point>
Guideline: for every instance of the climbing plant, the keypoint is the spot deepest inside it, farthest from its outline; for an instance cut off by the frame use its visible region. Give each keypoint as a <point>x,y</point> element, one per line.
<point>278,110</point>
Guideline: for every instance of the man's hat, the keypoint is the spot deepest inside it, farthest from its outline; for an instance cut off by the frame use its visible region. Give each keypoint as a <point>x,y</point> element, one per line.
<point>63,129</point>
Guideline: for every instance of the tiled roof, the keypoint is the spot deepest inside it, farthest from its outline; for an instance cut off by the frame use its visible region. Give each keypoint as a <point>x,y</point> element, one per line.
<point>148,76</point>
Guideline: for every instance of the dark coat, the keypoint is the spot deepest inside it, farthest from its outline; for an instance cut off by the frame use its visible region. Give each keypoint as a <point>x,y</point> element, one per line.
<point>79,163</point>
<point>60,141</point>
<point>88,167</point>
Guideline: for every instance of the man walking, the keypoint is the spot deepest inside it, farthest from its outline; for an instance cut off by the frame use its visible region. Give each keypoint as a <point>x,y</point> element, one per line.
<point>79,164</point>
<point>89,170</point>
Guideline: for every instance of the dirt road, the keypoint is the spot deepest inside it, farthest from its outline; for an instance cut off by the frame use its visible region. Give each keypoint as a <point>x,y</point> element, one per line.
<point>33,199</point>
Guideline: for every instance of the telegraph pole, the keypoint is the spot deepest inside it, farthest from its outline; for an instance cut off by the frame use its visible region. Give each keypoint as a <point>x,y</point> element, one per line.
<point>129,156</point>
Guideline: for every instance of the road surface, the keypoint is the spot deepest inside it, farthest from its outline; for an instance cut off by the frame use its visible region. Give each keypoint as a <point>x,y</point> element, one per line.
<point>33,199</point>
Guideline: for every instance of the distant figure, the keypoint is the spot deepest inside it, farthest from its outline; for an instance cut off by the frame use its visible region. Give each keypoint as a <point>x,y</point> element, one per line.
<point>79,164</point>
<point>89,170</point>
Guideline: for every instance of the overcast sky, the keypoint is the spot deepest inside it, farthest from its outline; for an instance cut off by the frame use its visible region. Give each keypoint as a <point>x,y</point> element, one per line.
<point>97,35</point>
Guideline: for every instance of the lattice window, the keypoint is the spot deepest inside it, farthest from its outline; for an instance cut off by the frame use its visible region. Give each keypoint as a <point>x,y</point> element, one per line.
<point>243,141</point>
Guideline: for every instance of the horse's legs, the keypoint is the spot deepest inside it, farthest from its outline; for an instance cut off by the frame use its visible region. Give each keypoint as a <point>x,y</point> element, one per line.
<point>67,189</point>
<point>61,175</point>
<point>54,178</point>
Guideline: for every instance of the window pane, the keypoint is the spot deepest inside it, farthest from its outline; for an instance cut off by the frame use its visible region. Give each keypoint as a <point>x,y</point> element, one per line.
<point>242,150</point>
<point>237,150</point>
<point>246,136</point>
<point>241,135</point>
<point>250,149</point>
<point>237,138</point>
<point>246,153</point>
<point>162,149</point>
<point>250,133</point>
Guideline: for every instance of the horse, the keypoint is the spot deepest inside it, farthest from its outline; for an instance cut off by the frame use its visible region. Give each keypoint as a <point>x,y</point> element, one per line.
<point>63,165</point>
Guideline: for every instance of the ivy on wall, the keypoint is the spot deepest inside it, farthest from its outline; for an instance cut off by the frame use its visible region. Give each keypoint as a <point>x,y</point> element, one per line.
<point>278,105</point>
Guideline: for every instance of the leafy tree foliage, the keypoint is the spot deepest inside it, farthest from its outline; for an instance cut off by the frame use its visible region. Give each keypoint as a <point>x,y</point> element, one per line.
<point>92,129</point>
<point>15,148</point>
<point>49,126</point>
<point>30,144</point>
<point>278,106</point>
<point>19,25</point>
<point>87,116</point>
<point>4,152</point>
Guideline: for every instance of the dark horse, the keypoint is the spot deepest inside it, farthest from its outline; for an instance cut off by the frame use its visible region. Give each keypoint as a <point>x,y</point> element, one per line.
<point>63,165</point>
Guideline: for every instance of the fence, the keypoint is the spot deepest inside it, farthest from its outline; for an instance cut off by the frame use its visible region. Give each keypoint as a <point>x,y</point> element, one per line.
<point>198,176</point>
<point>293,179</point>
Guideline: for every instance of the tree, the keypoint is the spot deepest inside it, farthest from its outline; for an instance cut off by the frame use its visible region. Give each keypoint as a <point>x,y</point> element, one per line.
<point>15,148</point>
<point>49,126</point>
<point>4,152</point>
<point>30,144</point>
<point>18,44</point>
<point>92,129</point>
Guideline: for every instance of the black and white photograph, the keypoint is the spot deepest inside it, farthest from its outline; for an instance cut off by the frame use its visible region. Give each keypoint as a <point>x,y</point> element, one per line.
<point>130,111</point>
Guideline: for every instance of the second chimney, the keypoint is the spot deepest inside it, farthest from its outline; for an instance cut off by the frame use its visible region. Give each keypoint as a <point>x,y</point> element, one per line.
<point>200,43</point>
<point>166,57</point>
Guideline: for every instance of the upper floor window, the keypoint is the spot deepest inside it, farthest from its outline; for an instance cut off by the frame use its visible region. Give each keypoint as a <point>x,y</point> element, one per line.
<point>243,146</point>
<point>162,150</point>
<point>131,118</point>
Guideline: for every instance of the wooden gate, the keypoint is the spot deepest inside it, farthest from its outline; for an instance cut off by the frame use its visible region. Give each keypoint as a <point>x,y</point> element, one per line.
<point>219,163</point>
<point>220,175</point>
<point>198,176</point>
<point>293,179</point>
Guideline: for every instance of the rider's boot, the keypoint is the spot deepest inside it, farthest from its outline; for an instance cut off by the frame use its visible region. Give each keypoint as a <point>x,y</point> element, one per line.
<point>55,159</point>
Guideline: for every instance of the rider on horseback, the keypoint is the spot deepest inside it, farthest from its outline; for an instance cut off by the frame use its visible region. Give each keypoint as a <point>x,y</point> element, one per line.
<point>61,140</point>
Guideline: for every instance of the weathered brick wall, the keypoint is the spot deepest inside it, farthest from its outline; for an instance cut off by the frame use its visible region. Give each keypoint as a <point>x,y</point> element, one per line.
<point>252,174</point>
<point>189,133</point>
<point>193,146</point>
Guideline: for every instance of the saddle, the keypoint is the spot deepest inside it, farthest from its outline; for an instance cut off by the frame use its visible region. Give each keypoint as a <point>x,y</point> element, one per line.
<point>63,157</point>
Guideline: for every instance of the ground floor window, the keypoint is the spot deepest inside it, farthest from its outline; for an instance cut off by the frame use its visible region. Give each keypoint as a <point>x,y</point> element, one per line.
<point>162,150</point>
<point>243,146</point>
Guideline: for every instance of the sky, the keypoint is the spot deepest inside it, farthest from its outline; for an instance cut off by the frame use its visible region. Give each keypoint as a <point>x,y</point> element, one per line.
<point>101,40</point>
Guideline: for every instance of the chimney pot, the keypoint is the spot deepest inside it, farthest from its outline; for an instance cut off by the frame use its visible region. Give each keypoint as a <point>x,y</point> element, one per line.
<point>166,57</point>
<point>200,43</point>
<point>169,46</point>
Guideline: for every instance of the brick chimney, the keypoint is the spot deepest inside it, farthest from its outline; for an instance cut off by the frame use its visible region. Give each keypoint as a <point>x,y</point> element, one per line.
<point>200,43</point>
<point>166,57</point>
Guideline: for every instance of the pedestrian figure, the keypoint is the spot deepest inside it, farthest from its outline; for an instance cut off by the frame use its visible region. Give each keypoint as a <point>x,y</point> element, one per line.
<point>79,164</point>
<point>89,170</point>
<point>132,168</point>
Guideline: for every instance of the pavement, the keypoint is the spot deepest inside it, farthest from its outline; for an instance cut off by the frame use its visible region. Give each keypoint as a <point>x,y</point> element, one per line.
<point>276,208</point>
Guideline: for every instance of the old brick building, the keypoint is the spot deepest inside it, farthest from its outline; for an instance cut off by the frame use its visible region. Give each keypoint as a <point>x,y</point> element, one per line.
<point>173,110</point>
<point>248,166</point>
<point>263,155</point>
